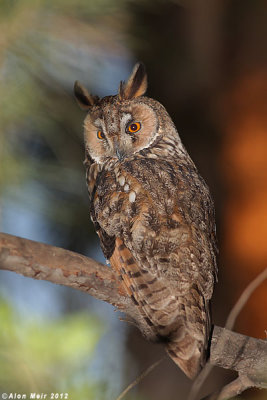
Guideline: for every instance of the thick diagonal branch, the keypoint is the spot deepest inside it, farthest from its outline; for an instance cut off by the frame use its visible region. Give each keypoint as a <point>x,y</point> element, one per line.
<point>36,260</point>
<point>41,261</point>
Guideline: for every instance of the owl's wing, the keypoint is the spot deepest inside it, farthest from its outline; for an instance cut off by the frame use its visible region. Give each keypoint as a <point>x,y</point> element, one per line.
<point>107,242</point>
<point>181,322</point>
<point>176,191</point>
<point>142,287</point>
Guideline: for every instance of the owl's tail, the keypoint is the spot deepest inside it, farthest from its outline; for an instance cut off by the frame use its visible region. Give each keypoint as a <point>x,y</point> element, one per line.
<point>188,344</point>
<point>187,354</point>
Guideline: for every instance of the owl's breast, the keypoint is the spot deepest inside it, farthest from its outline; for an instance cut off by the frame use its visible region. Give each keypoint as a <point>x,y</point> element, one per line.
<point>137,200</point>
<point>140,193</point>
<point>156,210</point>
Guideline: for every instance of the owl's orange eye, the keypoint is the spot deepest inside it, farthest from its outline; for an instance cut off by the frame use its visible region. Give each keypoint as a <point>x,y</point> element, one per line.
<point>100,135</point>
<point>134,127</point>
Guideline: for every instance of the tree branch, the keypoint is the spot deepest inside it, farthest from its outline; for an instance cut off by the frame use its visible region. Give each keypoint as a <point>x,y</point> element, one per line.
<point>234,388</point>
<point>44,262</point>
<point>240,353</point>
<point>246,355</point>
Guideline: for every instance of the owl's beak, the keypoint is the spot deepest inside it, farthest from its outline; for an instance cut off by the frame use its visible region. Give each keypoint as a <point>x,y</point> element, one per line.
<point>119,152</point>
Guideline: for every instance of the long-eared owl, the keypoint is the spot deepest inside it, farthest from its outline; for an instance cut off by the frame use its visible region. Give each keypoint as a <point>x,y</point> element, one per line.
<point>154,216</point>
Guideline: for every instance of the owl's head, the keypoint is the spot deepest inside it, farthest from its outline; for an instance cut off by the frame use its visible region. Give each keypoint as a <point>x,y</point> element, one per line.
<point>120,126</point>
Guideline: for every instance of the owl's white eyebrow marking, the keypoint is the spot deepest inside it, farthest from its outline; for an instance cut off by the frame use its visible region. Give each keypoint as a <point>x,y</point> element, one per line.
<point>126,117</point>
<point>98,123</point>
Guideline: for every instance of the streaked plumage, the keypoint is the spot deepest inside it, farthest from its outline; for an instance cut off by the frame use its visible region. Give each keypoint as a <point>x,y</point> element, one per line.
<point>154,216</point>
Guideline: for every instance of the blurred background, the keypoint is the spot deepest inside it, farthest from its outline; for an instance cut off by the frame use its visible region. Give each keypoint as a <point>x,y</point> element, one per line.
<point>206,62</point>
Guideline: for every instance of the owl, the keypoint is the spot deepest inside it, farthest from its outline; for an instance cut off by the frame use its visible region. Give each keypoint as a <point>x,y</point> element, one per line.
<point>154,216</point>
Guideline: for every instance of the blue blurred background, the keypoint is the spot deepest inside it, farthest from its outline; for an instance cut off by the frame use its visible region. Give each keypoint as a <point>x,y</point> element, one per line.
<point>206,63</point>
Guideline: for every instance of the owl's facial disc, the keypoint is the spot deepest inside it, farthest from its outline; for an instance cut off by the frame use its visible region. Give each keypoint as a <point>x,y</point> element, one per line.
<point>120,131</point>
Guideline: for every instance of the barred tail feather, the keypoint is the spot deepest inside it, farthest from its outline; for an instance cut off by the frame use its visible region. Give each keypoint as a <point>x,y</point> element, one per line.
<point>187,353</point>
<point>188,346</point>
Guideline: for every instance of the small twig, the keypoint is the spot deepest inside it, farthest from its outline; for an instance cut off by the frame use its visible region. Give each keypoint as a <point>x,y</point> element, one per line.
<point>239,305</point>
<point>199,380</point>
<point>140,378</point>
<point>234,388</point>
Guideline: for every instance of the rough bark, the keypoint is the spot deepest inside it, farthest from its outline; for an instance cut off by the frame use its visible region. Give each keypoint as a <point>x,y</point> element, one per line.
<point>45,262</point>
<point>230,350</point>
<point>240,353</point>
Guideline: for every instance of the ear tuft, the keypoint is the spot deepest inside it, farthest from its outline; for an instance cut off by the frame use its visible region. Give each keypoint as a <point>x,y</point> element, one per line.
<point>121,90</point>
<point>83,97</point>
<point>136,85</point>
